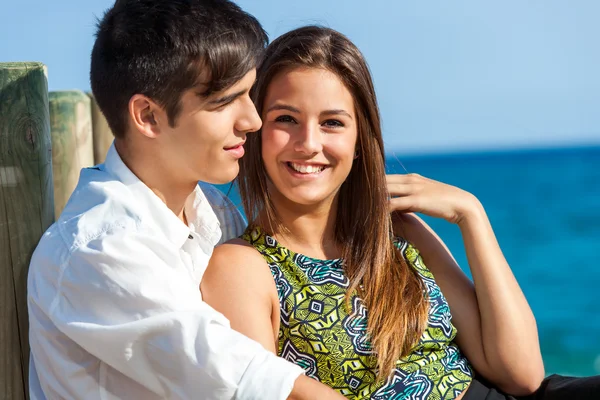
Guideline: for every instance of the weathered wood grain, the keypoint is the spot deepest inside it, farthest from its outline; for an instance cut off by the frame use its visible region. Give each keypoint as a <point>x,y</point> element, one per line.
<point>72,143</point>
<point>26,208</point>
<point>101,132</point>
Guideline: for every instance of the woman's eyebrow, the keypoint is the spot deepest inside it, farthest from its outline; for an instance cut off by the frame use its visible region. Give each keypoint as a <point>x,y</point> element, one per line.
<point>283,107</point>
<point>337,112</point>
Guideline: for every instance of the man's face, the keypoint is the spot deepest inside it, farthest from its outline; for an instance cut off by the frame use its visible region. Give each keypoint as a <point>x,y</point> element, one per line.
<point>207,140</point>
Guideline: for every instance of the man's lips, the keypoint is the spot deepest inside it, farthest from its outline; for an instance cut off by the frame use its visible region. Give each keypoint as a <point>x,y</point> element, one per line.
<point>236,151</point>
<point>234,146</point>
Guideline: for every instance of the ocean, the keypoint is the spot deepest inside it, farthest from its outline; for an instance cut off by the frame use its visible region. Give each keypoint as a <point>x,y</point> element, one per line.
<point>544,206</point>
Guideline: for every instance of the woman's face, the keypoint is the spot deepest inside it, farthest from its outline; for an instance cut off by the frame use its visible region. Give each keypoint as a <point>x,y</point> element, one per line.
<point>309,135</point>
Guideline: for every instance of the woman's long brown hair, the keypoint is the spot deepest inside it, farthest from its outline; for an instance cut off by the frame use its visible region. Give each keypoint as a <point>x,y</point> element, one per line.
<point>392,291</point>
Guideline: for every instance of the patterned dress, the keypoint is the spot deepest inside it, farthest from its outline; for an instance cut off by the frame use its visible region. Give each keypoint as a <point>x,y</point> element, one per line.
<point>318,334</point>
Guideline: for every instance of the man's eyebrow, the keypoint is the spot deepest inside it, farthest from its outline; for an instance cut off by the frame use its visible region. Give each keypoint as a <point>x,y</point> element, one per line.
<point>228,98</point>
<point>283,107</point>
<point>337,112</point>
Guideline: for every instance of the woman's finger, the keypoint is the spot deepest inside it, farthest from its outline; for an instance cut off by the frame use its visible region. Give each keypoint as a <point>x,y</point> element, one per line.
<point>401,204</point>
<point>404,189</point>
<point>403,178</point>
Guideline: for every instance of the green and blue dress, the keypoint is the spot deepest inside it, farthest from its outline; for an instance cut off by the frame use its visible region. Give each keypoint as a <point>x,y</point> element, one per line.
<point>319,333</point>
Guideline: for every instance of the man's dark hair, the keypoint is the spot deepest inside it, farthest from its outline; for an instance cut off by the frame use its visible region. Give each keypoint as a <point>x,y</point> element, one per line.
<point>161,48</point>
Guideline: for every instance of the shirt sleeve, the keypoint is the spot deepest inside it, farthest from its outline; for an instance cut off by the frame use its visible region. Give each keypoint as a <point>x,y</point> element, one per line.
<point>120,300</point>
<point>230,218</point>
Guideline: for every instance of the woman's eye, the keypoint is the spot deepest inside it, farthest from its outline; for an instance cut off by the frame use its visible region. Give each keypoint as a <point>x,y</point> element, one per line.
<point>285,118</point>
<point>333,123</point>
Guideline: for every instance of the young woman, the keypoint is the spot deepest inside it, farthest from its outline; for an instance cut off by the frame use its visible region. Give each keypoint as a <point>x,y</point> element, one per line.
<point>319,278</point>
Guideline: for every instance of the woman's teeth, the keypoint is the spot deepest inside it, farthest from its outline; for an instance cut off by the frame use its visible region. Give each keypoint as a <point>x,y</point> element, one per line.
<point>306,169</point>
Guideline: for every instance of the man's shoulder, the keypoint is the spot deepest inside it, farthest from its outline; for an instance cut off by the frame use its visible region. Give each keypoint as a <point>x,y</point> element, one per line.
<point>99,205</point>
<point>99,209</point>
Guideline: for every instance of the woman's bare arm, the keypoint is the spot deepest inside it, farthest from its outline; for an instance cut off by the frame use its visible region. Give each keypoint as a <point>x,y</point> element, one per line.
<point>239,284</point>
<point>496,327</point>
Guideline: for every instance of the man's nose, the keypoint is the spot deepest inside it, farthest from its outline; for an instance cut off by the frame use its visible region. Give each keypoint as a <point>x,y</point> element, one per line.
<point>249,121</point>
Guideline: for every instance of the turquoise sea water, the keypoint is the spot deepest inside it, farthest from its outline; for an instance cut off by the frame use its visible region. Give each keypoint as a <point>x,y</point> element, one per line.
<point>544,206</point>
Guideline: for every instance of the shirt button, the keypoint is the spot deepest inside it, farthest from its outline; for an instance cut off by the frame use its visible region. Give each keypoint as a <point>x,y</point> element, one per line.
<point>190,237</point>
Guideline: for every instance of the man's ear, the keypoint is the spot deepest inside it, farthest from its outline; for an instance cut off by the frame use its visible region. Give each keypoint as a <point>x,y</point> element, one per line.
<point>146,116</point>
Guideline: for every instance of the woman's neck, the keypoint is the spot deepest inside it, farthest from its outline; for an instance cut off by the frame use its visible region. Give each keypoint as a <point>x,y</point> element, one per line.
<point>308,230</point>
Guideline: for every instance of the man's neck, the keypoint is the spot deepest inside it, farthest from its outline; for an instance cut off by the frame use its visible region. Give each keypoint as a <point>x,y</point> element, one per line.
<point>158,175</point>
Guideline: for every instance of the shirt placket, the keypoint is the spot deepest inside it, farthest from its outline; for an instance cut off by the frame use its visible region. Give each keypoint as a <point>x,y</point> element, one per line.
<point>194,258</point>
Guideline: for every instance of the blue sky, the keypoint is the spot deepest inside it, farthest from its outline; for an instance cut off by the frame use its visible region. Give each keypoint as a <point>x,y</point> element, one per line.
<point>459,75</point>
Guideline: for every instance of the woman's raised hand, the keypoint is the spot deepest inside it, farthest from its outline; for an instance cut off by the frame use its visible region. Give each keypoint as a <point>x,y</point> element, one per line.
<point>415,193</point>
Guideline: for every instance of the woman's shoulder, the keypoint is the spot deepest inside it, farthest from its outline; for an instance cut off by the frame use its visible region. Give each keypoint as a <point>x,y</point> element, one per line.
<point>412,238</point>
<point>235,255</point>
<point>236,258</point>
<point>406,225</point>
<point>410,253</point>
<point>255,236</point>
<point>431,248</point>
<point>236,267</point>
<point>416,232</point>
<point>264,244</point>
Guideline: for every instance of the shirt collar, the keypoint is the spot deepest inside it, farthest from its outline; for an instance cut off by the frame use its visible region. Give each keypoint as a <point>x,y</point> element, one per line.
<point>200,215</point>
<point>202,219</point>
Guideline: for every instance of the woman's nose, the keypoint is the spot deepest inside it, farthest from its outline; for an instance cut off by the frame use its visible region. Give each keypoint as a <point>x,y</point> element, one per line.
<point>309,139</point>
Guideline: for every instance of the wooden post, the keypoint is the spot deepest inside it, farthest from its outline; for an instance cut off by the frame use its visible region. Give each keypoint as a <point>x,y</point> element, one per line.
<point>26,209</point>
<point>103,136</point>
<point>72,144</point>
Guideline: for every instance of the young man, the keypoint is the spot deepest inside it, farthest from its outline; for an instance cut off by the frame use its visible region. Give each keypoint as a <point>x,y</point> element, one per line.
<point>114,301</point>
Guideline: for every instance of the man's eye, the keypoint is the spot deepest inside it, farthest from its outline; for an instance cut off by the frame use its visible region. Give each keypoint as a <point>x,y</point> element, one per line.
<point>223,105</point>
<point>285,118</point>
<point>333,123</point>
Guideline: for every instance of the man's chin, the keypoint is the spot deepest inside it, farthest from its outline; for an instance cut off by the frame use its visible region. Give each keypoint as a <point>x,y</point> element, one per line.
<point>222,178</point>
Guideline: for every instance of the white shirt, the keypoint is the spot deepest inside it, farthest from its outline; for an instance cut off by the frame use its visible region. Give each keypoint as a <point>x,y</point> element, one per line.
<point>115,309</point>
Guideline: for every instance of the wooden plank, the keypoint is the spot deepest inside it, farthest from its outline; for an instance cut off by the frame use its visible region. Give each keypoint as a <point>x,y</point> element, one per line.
<point>26,208</point>
<point>101,132</point>
<point>12,374</point>
<point>72,144</point>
